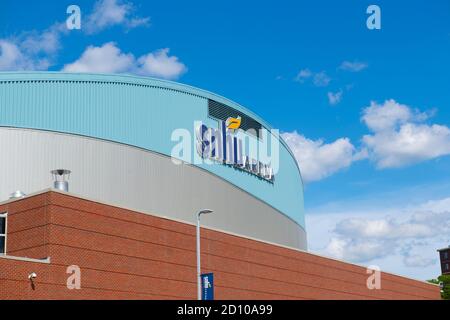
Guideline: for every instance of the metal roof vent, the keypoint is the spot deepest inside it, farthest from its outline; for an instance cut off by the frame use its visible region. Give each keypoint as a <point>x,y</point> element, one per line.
<point>17,195</point>
<point>61,179</point>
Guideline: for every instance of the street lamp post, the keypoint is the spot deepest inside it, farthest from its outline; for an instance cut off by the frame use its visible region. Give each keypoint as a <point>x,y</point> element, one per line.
<point>199,280</point>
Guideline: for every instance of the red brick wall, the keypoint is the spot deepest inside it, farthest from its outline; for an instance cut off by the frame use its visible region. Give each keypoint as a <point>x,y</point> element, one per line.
<point>28,227</point>
<point>127,255</point>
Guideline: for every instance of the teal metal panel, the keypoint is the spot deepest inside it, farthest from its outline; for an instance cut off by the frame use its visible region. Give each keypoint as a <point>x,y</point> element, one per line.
<point>142,112</point>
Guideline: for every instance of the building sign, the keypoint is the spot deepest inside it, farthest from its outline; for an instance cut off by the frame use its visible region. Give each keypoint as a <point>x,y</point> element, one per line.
<point>207,286</point>
<point>223,145</point>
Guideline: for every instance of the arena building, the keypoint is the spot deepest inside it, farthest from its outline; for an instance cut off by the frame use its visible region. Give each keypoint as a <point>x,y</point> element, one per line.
<point>117,134</point>
<point>142,165</point>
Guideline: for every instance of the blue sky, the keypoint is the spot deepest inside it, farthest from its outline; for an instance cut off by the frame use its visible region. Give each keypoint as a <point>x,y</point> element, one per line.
<point>367,112</point>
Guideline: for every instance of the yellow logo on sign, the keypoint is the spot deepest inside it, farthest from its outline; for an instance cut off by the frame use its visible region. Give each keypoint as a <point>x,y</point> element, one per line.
<point>233,123</point>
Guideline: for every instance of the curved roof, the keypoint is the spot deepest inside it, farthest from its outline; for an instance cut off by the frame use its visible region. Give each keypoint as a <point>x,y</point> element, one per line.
<point>147,81</point>
<point>58,77</point>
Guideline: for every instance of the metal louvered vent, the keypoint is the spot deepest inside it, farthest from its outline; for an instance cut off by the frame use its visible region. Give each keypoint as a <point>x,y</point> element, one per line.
<point>222,112</point>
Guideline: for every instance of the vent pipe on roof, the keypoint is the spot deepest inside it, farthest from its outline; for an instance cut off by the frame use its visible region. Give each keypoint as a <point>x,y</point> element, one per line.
<point>61,179</point>
<point>17,195</point>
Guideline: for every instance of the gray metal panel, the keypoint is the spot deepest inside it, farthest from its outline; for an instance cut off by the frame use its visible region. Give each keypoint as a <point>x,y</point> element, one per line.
<point>141,112</point>
<point>140,180</point>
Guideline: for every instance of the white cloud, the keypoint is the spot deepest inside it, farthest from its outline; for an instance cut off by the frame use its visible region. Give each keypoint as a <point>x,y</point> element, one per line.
<point>335,97</point>
<point>11,58</point>
<point>105,59</point>
<point>318,160</point>
<point>31,50</point>
<point>400,137</point>
<point>110,59</point>
<point>441,205</point>
<point>382,229</point>
<point>303,75</point>
<point>319,79</point>
<point>390,114</point>
<point>410,144</point>
<point>356,251</point>
<point>354,66</point>
<point>160,64</point>
<point>401,239</point>
<point>47,42</point>
<point>108,13</point>
<point>35,50</point>
<point>418,261</point>
<point>408,235</point>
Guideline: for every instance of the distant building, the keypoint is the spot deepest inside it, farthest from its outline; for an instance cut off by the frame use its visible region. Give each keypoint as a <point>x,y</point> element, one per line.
<point>444,254</point>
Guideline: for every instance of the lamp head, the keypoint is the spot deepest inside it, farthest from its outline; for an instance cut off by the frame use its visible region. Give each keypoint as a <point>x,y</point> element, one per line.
<point>205,211</point>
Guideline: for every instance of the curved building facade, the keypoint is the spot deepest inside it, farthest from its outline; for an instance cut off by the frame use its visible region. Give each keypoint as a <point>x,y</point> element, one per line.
<point>121,138</point>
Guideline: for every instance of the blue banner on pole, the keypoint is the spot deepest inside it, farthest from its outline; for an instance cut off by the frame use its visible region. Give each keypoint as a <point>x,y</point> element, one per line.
<point>207,286</point>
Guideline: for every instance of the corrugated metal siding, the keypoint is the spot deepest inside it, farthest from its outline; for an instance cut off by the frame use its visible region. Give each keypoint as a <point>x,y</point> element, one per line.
<point>135,111</point>
<point>139,180</point>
